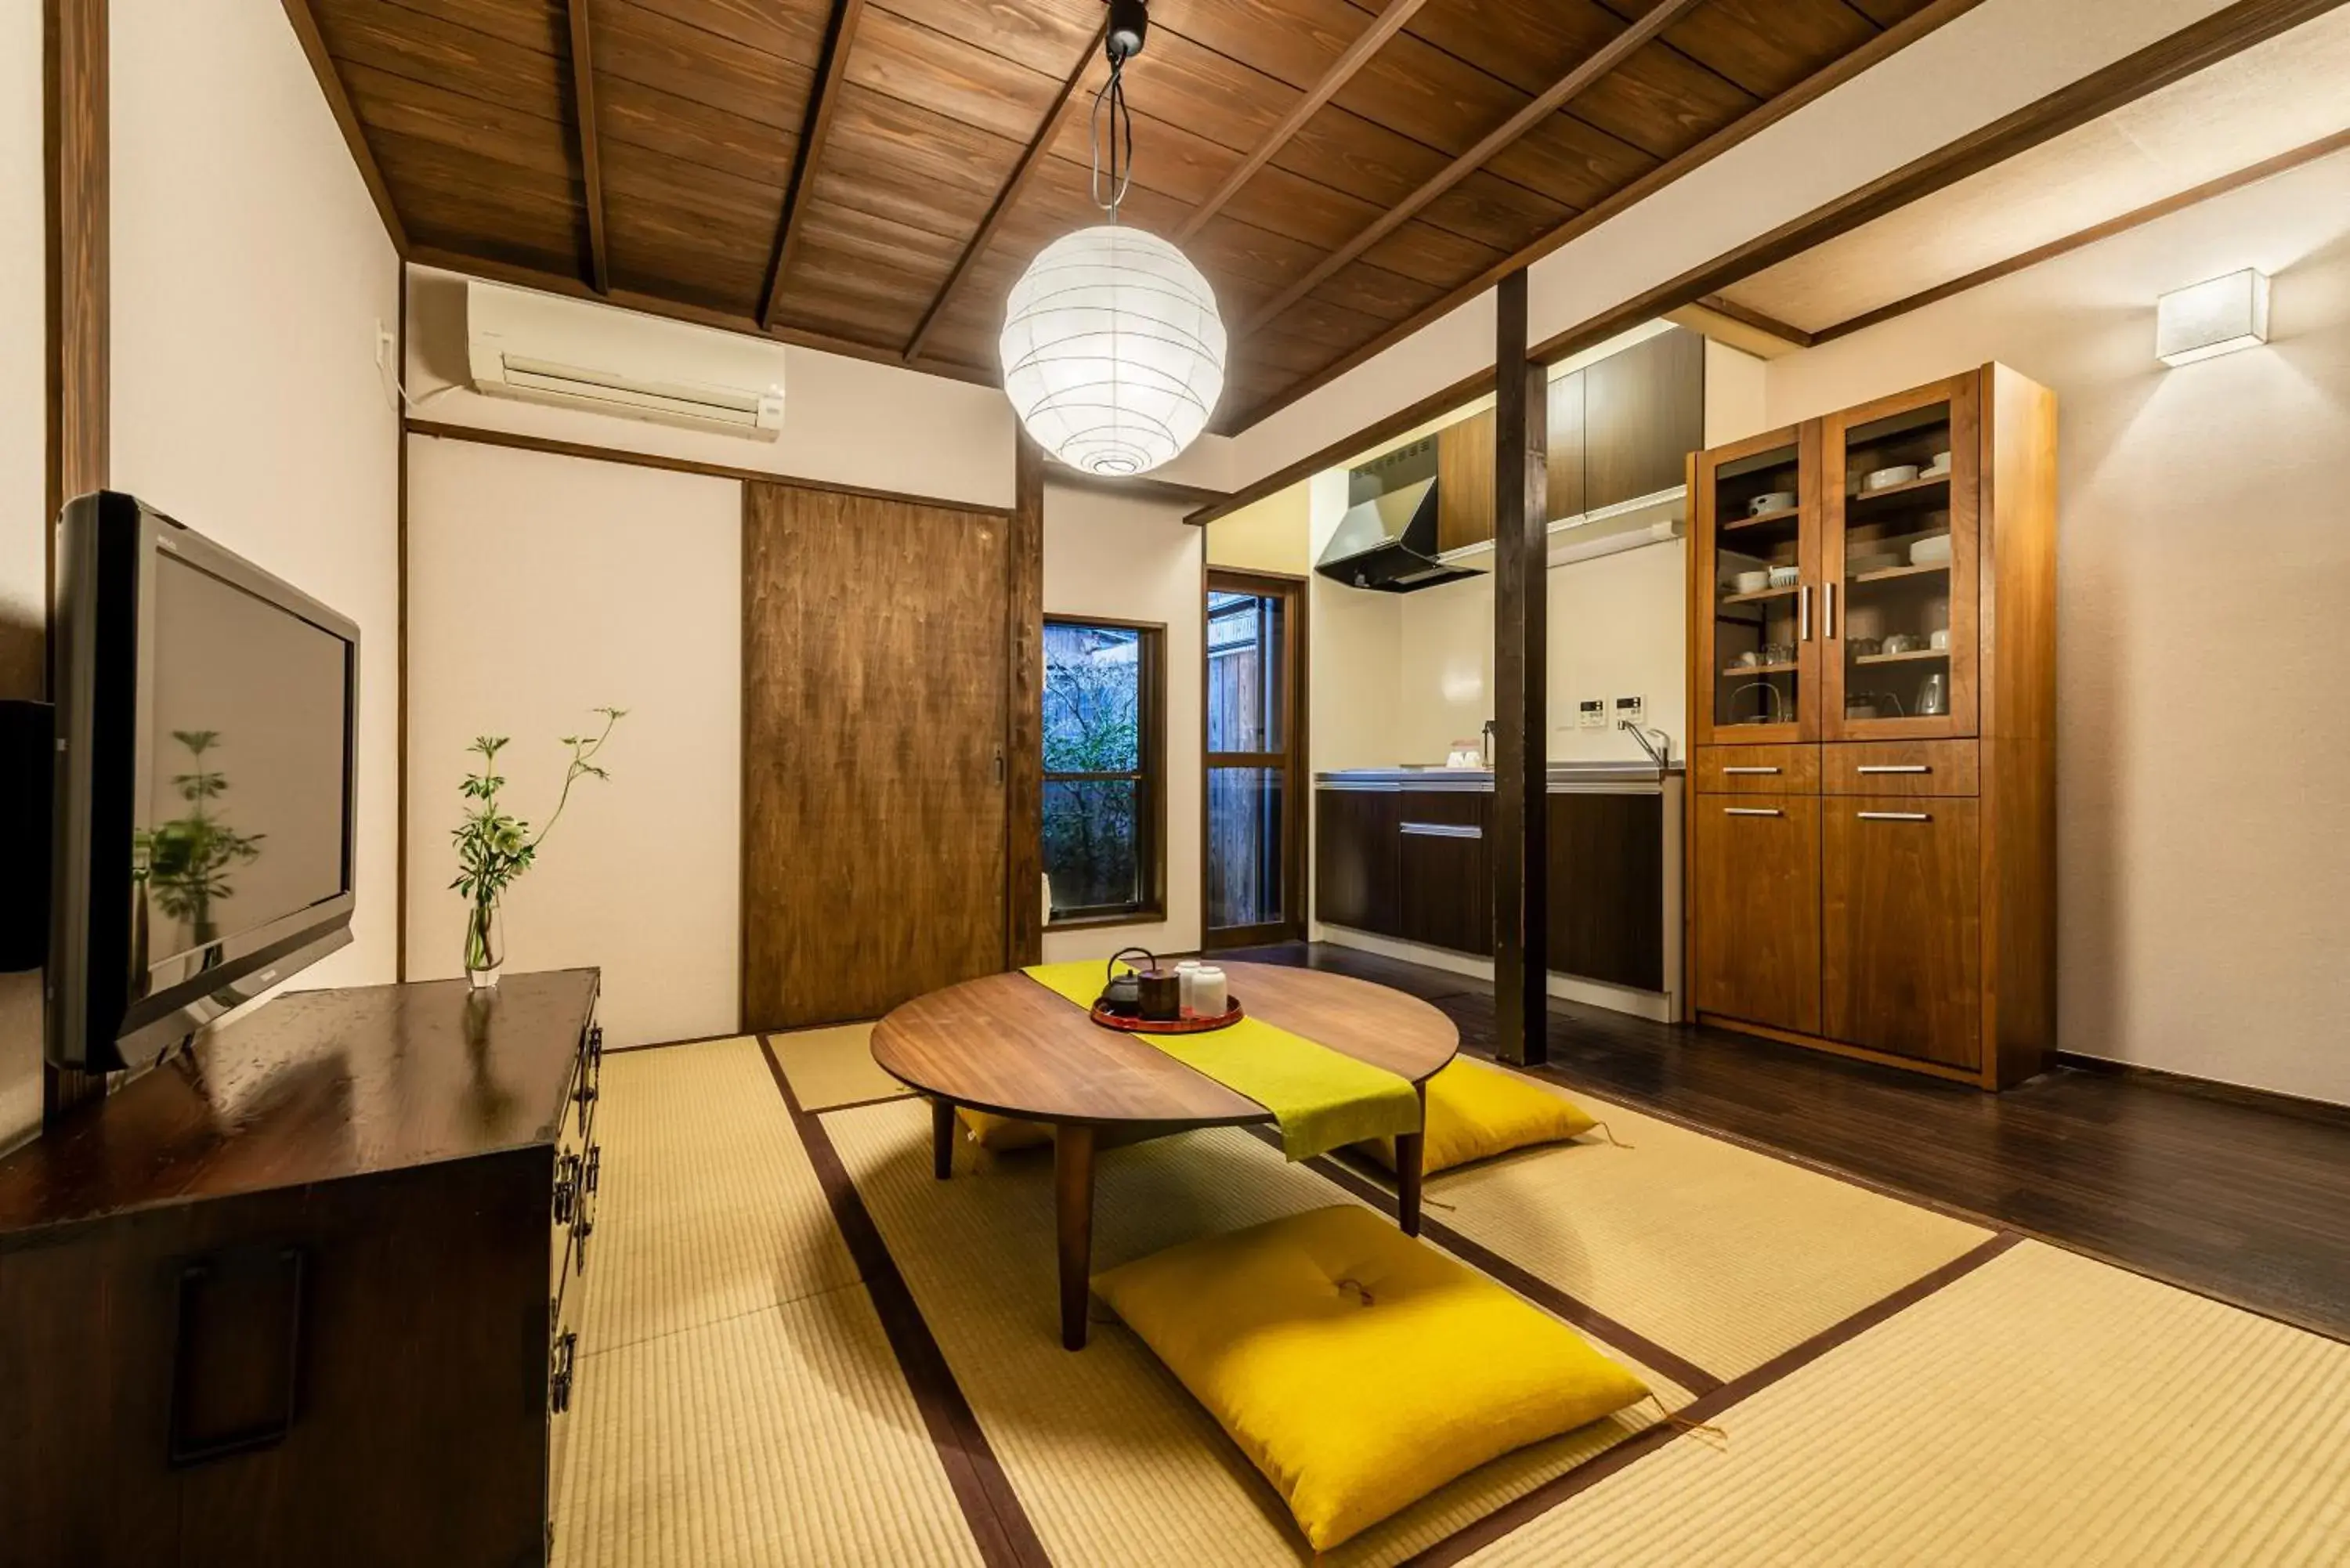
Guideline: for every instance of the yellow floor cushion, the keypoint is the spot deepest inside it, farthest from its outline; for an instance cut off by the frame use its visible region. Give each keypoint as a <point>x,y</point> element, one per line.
<point>1357,1368</point>
<point>1476,1111</point>
<point>1001,1134</point>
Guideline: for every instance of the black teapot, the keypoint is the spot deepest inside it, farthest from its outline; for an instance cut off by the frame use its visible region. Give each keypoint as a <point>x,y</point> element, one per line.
<point>1152,992</point>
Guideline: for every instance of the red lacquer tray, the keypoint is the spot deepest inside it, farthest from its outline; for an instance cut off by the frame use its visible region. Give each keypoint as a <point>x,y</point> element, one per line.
<point>1189,1025</point>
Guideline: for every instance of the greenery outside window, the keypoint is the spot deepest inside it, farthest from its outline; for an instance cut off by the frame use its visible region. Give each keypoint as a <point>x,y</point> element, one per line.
<point>1105,771</point>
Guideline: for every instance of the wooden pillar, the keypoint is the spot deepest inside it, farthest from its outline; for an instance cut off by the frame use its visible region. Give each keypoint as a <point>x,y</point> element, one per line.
<point>1024,719</point>
<point>74,163</point>
<point>1520,848</point>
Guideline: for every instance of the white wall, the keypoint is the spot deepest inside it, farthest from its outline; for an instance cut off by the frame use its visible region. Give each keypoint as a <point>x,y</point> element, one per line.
<point>1136,559</point>
<point>541,587</point>
<point>23,503</point>
<point>250,274</point>
<point>2203,770</point>
<point>846,421</point>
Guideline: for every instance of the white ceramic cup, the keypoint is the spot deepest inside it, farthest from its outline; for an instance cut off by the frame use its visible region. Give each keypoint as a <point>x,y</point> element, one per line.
<point>1209,998</point>
<point>1777,501</point>
<point>1939,639</point>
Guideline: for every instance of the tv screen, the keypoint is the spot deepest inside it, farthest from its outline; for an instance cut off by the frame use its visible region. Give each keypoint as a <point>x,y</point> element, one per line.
<point>205,798</point>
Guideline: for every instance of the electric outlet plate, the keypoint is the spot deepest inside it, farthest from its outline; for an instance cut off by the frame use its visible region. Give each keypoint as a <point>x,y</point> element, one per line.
<point>1593,715</point>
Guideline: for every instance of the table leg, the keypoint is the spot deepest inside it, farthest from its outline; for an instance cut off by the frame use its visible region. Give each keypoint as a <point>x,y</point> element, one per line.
<point>1073,1203</point>
<point>1409,1148</point>
<point>942,1139</point>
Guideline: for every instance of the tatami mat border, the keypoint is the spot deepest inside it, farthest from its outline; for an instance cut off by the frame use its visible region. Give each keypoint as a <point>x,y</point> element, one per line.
<point>1483,1259</point>
<point>1646,1107</point>
<point>1006,1538</point>
<point>1473,1538</point>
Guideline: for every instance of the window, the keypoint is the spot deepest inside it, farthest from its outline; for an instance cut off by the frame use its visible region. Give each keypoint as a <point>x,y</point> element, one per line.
<point>1104,770</point>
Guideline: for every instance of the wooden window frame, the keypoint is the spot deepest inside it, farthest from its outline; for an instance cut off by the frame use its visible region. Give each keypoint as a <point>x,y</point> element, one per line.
<point>1150,778</point>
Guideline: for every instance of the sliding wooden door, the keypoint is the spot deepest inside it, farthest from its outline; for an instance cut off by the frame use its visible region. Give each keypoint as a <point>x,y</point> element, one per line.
<point>1255,864</point>
<point>875,681</point>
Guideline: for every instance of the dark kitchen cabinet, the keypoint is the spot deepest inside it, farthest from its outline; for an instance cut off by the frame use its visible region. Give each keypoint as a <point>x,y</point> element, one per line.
<point>1464,482</point>
<point>1608,887</point>
<point>1356,861</point>
<point>1445,878</point>
<point>1563,454</point>
<point>1643,414</point>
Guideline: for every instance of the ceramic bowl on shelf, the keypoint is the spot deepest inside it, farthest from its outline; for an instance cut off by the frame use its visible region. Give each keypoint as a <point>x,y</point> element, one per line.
<point>1933,550</point>
<point>1777,501</point>
<point>1886,477</point>
<point>1938,466</point>
<point>1786,576</point>
<point>1751,582</point>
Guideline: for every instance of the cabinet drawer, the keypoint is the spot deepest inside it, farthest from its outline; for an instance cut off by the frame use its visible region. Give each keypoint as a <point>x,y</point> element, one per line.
<point>1758,770</point>
<point>1899,768</point>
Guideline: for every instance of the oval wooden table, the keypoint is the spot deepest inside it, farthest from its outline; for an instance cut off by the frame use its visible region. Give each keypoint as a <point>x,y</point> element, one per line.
<point>1005,1043</point>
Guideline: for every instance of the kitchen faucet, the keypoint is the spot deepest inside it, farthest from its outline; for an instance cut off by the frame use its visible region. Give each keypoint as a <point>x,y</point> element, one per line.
<point>1659,751</point>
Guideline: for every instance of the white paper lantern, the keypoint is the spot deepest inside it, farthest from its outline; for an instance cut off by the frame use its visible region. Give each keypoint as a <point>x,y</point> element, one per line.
<point>1113,351</point>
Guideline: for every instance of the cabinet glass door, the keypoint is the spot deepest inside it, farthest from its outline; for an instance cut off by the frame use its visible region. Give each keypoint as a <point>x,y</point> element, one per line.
<point>1898,616</point>
<point>1757,543</point>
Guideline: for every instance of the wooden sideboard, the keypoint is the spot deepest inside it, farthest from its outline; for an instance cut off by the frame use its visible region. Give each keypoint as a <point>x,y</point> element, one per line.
<point>1872,709</point>
<point>303,1296</point>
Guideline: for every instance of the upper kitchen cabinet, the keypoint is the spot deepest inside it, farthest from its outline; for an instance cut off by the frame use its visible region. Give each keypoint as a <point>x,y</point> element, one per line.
<point>1564,475</point>
<point>1464,482</point>
<point>1755,553</point>
<point>1643,414</point>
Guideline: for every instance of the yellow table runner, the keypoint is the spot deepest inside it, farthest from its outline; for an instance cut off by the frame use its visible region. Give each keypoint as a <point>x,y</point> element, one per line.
<point>1321,1099</point>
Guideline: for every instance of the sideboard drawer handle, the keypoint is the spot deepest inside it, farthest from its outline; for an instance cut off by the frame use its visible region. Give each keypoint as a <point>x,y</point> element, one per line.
<point>1443,830</point>
<point>1750,770</point>
<point>1752,811</point>
<point>1895,817</point>
<point>1895,768</point>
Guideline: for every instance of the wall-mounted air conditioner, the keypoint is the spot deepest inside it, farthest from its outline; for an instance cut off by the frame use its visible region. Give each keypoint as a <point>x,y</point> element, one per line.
<point>579,354</point>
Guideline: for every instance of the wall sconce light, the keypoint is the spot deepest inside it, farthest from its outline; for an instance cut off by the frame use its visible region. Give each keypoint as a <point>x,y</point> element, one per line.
<point>2217,317</point>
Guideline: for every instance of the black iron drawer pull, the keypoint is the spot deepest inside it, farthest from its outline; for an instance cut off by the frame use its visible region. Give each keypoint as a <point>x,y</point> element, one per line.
<point>567,1189</point>
<point>561,1359</point>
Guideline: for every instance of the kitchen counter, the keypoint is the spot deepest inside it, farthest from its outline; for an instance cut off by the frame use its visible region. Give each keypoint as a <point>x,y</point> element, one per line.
<point>1635,777</point>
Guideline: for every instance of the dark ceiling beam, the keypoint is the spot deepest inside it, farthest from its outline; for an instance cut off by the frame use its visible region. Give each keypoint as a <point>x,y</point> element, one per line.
<point>2253,174</point>
<point>824,98</point>
<point>338,102</point>
<point>1562,92</point>
<point>1032,159</point>
<point>1358,54</point>
<point>1746,315</point>
<point>2216,37</point>
<point>591,167</point>
<point>1835,74</point>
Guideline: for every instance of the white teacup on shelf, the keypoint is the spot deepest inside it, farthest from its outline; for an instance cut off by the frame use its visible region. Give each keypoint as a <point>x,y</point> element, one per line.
<point>1939,639</point>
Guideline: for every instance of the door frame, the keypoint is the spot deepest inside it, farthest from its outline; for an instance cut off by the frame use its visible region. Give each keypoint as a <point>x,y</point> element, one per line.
<point>1296,776</point>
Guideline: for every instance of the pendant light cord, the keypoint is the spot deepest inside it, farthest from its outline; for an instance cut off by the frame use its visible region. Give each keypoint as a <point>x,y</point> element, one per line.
<point>1112,98</point>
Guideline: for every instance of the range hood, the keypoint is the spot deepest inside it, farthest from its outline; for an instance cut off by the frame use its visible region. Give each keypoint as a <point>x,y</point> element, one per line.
<point>1387,541</point>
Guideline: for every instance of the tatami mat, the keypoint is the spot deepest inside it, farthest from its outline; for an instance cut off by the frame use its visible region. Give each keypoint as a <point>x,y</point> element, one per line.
<point>1723,1255</point>
<point>2042,1409</point>
<point>783,1436</point>
<point>706,1207</point>
<point>833,1066</point>
<point>1112,1460</point>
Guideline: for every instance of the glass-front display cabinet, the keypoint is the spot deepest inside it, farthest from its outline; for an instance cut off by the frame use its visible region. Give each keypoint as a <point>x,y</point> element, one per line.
<point>1758,518</point>
<point>1897,610</point>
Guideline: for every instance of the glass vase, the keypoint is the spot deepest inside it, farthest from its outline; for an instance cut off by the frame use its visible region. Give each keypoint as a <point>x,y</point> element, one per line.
<point>485,944</point>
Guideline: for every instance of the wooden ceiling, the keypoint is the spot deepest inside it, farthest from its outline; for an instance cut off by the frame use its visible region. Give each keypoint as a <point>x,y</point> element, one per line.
<point>871,175</point>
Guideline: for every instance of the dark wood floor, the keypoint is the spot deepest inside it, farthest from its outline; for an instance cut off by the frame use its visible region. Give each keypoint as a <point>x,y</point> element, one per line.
<point>2246,1201</point>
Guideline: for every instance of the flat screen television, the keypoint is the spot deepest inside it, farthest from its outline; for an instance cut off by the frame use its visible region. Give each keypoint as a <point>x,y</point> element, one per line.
<point>206,721</point>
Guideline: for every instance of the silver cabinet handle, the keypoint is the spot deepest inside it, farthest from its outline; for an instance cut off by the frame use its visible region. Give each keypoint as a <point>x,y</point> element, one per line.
<point>1752,811</point>
<point>1893,816</point>
<point>1804,614</point>
<point>1748,770</point>
<point>1443,830</point>
<point>1828,600</point>
<point>1895,768</point>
